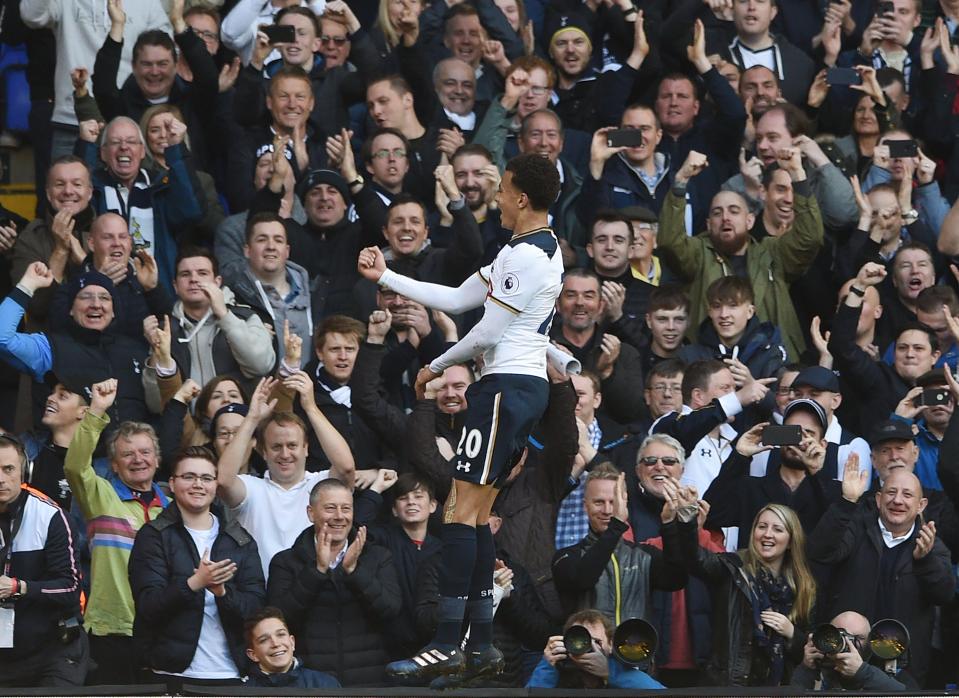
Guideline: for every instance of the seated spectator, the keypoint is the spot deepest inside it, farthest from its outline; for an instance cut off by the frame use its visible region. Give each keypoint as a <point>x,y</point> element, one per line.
<point>154,79</point>
<point>211,333</point>
<point>86,351</point>
<point>273,285</point>
<point>136,284</point>
<point>342,590</point>
<point>46,646</point>
<point>56,238</point>
<point>587,573</point>
<point>795,475</point>
<point>777,609</point>
<point>877,387</point>
<point>848,670</point>
<point>728,247</point>
<point>115,508</point>
<point>194,575</point>
<point>406,537</point>
<point>667,319</point>
<point>733,330</point>
<point>897,556</point>
<point>595,669</point>
<point>155,210</point>
<point>270,648</point>
<point>281,438</point>
<point>579,308</point>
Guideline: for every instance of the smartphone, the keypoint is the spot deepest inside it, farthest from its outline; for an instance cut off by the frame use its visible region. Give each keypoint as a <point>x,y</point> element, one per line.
<point>782,435</point>
<point>628,137</point>
<point>843,76</point>
<point>902,149</point>
<point>886,7</point>
<point>931,397</point>
<point>280,34</point>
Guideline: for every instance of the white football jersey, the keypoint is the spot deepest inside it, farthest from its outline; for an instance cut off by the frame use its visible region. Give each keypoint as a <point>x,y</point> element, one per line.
<point>525,278</point>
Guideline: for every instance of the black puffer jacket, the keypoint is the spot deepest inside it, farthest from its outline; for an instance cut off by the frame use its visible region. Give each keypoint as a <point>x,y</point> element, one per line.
<point>169,615</point>
<point>339,619</point>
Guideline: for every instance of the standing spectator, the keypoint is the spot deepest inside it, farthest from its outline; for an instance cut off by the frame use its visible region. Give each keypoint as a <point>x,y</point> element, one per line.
<point>343,591</point>
<point>272,508</point>
<point>195,577</point>
<point>80,32</point>
<point>40,583</point>
<point>728,248</point>
<point>115,507</point>
<point>890,567</point>
<point>667,319</point>
<point>246,17</point>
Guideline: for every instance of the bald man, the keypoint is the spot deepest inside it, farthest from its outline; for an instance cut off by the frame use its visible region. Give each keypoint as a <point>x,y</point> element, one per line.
<point>135,278</point>
<point>886,566</point>
<point>846,670</point>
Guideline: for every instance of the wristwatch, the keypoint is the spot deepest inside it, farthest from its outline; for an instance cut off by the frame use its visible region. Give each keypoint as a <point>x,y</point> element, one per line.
<point>358,182</point>
<point>911,216</point>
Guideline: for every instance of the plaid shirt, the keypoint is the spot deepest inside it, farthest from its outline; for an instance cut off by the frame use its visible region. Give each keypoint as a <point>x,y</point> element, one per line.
<point>572,524</point>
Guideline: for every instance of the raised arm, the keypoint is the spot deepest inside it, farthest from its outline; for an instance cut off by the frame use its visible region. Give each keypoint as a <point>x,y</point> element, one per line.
<point>337,450</point>
<point>230,486</point>
<point>468,295</point>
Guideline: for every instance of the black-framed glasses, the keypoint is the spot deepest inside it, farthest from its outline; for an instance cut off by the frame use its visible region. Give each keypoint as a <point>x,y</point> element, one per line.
<point>191,478</point>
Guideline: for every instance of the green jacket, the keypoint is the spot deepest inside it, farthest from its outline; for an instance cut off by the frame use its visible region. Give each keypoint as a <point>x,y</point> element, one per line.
<point>773,263</point>
<point>113,518</point>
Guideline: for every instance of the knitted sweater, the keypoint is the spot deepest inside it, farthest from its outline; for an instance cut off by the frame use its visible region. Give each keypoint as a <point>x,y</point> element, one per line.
<point>113,518</point>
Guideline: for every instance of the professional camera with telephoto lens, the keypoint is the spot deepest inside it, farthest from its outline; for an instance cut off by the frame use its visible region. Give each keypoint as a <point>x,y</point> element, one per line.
<point>831,640</point>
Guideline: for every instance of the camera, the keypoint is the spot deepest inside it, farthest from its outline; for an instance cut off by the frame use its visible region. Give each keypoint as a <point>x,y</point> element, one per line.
<point>634,643</point>
<point>829,639</point>
<point>68,630</point>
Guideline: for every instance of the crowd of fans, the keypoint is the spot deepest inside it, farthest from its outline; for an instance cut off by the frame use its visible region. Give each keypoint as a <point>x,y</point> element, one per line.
<point>215,468</point>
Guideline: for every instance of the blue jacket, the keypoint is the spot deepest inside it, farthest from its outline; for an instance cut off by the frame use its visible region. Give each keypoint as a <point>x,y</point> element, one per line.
<point>546,676</point>
<point>297,677</point>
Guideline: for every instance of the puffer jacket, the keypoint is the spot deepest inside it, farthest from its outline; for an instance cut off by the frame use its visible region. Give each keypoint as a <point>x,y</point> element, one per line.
<point>760,347</point>
<point>339,619</point>
<point>169,615</point>
<point>773,263</point>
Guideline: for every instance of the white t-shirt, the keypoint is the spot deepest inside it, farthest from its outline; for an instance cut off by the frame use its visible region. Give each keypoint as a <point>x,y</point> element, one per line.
<point>275,516</point>
<point>212,659</point>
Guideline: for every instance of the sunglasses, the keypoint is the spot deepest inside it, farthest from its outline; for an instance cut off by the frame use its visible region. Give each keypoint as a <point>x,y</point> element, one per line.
<point>653,460</point>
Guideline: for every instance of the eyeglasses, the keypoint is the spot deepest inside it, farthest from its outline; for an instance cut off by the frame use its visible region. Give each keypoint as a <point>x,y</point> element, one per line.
<point>650,461</point>
<point>385,153</point>
<point>663,388</point>
<point>206,35</point>
<point>88,297</point>
<point>784,391</point>
<point>129,142</point>
<point>338,40</point>
<point>190,478</point>
<point>538,90</point>
<point>226,433</point>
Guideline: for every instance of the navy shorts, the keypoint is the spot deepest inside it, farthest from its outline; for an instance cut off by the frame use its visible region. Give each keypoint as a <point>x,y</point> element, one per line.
<point>502,410</point>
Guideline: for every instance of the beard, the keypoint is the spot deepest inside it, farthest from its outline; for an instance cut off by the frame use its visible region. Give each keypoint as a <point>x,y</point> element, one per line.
<point>728,246</point>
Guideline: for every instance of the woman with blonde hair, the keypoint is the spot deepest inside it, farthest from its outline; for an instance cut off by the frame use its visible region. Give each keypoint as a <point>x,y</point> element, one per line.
<point>391,18</point>
<point>763,598</point>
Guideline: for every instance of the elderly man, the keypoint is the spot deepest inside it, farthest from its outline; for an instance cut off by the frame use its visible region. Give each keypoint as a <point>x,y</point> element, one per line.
<point>86,350</point>
<point>890,566</point>
<point>115,508</point>
<point>777,262</point>
<point>155,209</point>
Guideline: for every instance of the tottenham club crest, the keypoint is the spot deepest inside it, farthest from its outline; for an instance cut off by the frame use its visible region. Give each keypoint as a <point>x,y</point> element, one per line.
<point>510,283</point>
